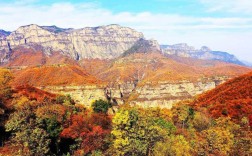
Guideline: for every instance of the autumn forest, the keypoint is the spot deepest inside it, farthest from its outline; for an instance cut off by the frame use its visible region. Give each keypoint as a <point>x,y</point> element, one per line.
<point>35,122</point>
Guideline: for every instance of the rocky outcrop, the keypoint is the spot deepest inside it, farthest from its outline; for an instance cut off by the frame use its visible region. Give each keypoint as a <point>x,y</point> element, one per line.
<point>143,46</point>
<point>81,94</point>
<point>163,95</point>
<point>103,42</point>
<point>205,53</point>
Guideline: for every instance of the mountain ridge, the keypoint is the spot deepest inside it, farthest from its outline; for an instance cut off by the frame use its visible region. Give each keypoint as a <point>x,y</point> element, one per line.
<point>91,42</point>
<point>204,53</point>
<point>102,42</point>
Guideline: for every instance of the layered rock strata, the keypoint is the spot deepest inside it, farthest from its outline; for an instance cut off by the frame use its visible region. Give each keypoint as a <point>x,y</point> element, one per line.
<point>103,42</point>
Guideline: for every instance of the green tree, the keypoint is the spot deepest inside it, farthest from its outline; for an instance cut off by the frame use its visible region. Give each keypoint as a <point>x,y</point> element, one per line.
<point>101,106</point>
<point>64,99</point>
<point>27,133</point>
<point>181,114</point>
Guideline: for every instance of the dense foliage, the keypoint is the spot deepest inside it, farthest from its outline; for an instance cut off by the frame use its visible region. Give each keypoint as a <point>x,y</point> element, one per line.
<point>233,99</point>
<point>38,123</point>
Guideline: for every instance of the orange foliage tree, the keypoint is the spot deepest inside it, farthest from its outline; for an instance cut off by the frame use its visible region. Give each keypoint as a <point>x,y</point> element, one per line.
<point>89,131</point>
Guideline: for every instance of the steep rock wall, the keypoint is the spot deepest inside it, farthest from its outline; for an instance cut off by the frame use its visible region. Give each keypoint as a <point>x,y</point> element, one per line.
<point>104,42</point>
<point>162,95</point>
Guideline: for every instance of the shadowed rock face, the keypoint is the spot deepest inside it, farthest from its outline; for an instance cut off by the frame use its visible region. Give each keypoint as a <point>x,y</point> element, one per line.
<point>205,53</point>
<point>4,33</point>
<point>105,42</point>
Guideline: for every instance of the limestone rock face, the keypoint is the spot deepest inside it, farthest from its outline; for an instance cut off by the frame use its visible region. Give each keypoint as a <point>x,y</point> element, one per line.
<point>204,53</point>
<point>103,42</point>
<point>85,95</point>
<point>162,95</point>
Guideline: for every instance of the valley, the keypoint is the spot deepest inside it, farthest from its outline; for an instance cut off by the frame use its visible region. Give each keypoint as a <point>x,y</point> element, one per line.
<point>91,64</point>
<point>83,91</point>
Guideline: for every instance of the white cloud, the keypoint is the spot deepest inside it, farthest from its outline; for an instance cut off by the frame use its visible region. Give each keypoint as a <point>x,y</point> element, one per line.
<point>235,6</point>
<point>218,33</point>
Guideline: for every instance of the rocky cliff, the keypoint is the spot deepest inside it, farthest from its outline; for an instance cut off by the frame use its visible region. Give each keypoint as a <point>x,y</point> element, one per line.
<point>103,42</point>
<point>162,95</point>
<point>205,53</point>
<point>85,95</point>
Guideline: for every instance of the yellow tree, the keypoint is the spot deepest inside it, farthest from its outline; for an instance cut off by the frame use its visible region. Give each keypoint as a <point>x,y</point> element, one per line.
<point>136,133</point>
<point>173,146</point>
<point>5,78</point>
<point>219,141</point>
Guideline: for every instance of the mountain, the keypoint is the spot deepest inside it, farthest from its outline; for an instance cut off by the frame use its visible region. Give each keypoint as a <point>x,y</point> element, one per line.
<point>112,63</point>
<point>205,53</point>
<point>233,98</point>
<point>105,42</point>
<point>151,80</point>
<point>144,79</point>
<point>143,46</point>
<point>23,56</point>
<point>55,29</point>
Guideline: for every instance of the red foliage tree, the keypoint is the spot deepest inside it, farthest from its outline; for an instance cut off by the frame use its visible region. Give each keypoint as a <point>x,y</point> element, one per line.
<point>91,129</point>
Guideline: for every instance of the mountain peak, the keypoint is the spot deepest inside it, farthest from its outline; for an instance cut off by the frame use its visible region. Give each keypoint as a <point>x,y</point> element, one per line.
<point>30,29</point>
<point>55,29</point>
<point>205,49</point>
<point>29,26</point>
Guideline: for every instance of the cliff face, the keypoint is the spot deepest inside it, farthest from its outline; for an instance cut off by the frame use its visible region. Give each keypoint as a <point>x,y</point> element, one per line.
<point>205,53</point>
<point>85,95</point>
<point>104,42</point>
<point>164,94</point>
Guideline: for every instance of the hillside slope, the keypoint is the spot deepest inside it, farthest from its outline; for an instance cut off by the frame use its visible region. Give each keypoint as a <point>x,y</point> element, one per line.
<point>233,98</point>
<point>154,67</point>
<point>54,75</point>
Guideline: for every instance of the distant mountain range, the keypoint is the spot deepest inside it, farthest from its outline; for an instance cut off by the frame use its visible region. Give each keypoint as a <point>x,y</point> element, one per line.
<point>103,42</point>
<point>205,53</point>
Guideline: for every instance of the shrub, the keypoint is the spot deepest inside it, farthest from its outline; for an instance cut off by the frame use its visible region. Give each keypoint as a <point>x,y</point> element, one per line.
<point>101,106</point>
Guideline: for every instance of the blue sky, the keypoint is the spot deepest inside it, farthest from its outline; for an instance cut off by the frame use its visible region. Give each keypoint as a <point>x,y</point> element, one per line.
<point>220,24</point>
